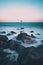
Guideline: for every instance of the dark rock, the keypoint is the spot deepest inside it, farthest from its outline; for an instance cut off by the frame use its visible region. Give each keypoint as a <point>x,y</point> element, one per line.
<point>32,31</point>
<point>21,31</point>
<point>13,32</point>
<point>7,58</point>
<point>9,34</point>
<point>41,41</point>
<point>33,36</point>
<point>14,45</point>
<point>40,49</point>
<point>21,35</point>
<point>3,45</point>
<point>24,37</point>
<point>12,54</point>
<point>3,38</point>
<point>2,56</point>
<point>3,32</point>
<point>31,56</point>
<point>38,34</point>
<point>22,28</point>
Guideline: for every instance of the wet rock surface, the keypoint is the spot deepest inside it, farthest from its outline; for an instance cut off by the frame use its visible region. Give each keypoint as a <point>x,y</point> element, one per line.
<point>24,37</point>
<point>41,41</point>
<point>22,28</point>
<point>14,45</point>
<point>3,32</point>
<point>11,33</point>
<point>8,34</point>
<point>32,31</point>
<point>33,36</point>
<point>13,53</point>
<point>31,56</point>
<point>3,38</point>
<point>38,34</point>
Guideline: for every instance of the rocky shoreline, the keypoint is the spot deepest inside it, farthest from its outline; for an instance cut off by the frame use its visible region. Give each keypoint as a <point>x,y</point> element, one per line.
<point>13,53</point>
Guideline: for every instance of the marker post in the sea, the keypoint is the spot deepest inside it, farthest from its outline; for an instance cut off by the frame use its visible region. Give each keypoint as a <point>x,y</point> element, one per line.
<point>21,22</point>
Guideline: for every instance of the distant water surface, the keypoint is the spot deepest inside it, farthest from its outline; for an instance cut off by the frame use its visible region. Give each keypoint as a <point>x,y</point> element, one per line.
<point>24,24</point>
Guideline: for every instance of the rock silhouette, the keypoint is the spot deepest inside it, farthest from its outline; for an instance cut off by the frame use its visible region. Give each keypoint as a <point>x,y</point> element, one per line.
<point>13,53</point>
<point>3,38</point>
<point>32,31</point>
<point>11,33</point>
<point>3,32</point>
<point>24,37</point>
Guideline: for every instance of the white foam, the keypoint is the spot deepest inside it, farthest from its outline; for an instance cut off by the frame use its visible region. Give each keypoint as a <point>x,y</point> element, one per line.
<point>25,30</point>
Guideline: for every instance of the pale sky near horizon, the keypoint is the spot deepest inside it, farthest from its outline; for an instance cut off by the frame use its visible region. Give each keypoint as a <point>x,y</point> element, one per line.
<point>26,10</point>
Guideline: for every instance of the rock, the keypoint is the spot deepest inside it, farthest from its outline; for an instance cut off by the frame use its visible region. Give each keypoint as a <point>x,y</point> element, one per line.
<point>3,42</point>
<point>21,31</point>
<point>40,49</point>
<point>9,34</point>
<point>22,28</point>
<point>3,38</point>
<point>2,56</point>
<point>32,31</point>
<point>12,54</point>
<point>24,37</point>
<point>7,58</point>
<point>13,32</point>
<point>31,56</point>
<point>14,45</point>
<point>38,34</point>
<point>21,35</point>
<point>3,32</point>
<point>17,54</point>
<point>3,45</point>
<point>33,36</point>
<point>41,41</point>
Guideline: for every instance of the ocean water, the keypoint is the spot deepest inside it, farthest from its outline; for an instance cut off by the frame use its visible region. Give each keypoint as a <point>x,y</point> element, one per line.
<point>37,27</point>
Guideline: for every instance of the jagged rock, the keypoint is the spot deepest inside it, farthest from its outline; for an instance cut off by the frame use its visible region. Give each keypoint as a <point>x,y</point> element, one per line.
<point>41,41</point>
<point>33,36</point>
<point>3,32</point>
<point>31,56</point>
<point>38,34</point>
<point>21,31</point>
<point>8,34</point>
<point>32,31</point>
<point>3,38</point>
<point>3,45</point>
<point>3,42</point>
<point>14,45</point>
<point>12,54</point>
<point>21,35</point>
<point>22,28</point>
<point>24,37</point>
<point>40,49</point>
<point>2,56</point>
<point>7,58</point>
<point>13,32</point>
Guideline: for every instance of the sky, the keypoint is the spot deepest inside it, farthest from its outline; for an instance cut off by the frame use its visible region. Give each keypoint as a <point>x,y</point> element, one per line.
<point>26,10</point>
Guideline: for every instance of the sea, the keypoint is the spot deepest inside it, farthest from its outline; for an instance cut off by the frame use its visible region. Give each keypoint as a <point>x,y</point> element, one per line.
<point>24,27</point>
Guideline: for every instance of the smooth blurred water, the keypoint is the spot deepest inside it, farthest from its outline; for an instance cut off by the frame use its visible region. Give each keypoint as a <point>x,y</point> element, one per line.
<point>24,24</point>
<point>37,27</point>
